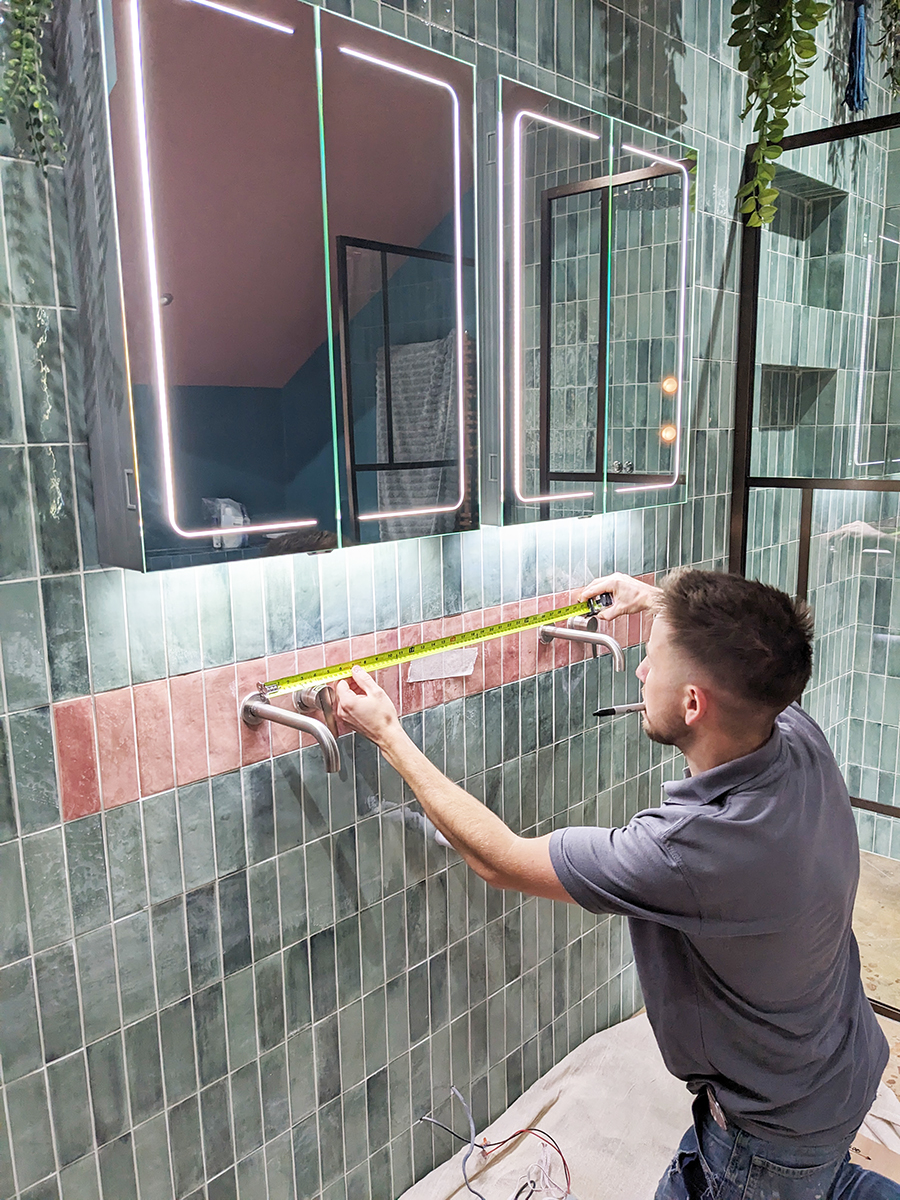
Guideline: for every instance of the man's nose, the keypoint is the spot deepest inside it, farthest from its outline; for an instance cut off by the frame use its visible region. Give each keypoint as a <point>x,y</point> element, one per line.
<point>641,670</point>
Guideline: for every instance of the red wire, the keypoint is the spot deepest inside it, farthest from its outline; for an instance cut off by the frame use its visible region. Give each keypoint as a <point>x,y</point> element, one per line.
<point>489,1147</point>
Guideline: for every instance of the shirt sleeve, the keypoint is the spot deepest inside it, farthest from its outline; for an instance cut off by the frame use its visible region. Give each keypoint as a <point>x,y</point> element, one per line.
<point>628,872</point>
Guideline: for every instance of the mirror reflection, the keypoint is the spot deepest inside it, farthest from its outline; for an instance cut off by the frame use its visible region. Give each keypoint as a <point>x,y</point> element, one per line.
<point>296,241</point>
<point>397,124</point>
<point>218,193</point>
<point>825,403</point>
<point>594,308</point>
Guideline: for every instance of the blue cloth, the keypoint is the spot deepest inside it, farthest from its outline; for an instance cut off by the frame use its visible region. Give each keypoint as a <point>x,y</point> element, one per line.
<point>728,1164</point>
<point>856,97</point>
<point>739,891</point>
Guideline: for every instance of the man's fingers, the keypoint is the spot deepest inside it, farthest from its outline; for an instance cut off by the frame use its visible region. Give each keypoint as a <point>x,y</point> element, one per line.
<point>611,612</point>
<point>364,679</point>
<point>606,583</point>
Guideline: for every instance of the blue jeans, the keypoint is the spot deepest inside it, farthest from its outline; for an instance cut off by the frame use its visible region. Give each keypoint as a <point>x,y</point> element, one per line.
<point>728,1164</point>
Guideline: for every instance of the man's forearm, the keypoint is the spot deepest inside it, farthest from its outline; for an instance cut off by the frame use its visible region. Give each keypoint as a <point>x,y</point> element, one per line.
<point>477,834</point>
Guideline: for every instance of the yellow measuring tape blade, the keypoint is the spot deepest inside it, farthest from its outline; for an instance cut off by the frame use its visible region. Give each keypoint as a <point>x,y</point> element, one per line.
<point>392,658</point>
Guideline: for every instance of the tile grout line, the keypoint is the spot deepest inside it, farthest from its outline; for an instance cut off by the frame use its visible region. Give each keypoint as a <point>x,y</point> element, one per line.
<point>145,859</point>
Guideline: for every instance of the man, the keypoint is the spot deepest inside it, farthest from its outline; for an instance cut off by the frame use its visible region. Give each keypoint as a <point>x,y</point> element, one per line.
<point>739,889</point>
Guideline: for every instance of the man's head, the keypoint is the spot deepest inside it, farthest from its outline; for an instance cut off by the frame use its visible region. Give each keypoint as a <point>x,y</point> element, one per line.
<point>725,656</point>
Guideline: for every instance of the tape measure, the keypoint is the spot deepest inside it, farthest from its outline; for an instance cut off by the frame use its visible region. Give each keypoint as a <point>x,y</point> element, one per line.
<point>392,658</point>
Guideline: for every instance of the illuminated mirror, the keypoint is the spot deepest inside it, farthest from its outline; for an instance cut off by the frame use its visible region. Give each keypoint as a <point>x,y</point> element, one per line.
<point>399,175</point>
<point>215,130</point>
<point>594,291</point>
<point>277,263</point>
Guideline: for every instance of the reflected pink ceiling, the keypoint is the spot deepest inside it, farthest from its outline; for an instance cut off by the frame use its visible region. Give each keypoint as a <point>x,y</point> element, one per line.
<point>234,144</point>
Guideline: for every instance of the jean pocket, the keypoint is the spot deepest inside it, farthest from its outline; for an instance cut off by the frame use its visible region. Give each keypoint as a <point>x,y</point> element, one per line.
<point>774,1181</point>
<point>685,1179</point>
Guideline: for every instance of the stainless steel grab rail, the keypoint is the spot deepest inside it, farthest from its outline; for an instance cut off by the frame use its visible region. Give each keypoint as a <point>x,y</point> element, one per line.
<point>580,630</point>
<point>256,709</point>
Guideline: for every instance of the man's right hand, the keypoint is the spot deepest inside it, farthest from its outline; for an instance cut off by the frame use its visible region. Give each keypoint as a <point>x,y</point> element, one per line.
<point>366,708</point>
<point>629,595</point>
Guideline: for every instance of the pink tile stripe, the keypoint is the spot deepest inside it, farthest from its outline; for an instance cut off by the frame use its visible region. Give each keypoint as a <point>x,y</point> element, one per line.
<point>117,746</point>
<point>79,775</point>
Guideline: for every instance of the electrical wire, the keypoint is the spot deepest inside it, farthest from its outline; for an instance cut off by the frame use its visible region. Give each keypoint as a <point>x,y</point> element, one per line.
<point>530,1185</point>
<point>471,1150</point>
<point>446,1128</point>
<point>489,1147</point>
<point>542,1136</point>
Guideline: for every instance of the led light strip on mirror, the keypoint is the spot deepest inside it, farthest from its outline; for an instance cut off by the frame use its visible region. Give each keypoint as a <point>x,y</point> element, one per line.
<point>393,658</point>
<point>682,320</point>
<point>518,351</point>
<point>387,515</point>
<point>159,360</point>
<point>246,16</point>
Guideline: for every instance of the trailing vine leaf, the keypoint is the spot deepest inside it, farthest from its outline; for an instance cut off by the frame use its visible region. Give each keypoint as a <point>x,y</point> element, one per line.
<point>691,157</point>
<point>776,45</point>
<point>889,42</point>
<point>23,86</point>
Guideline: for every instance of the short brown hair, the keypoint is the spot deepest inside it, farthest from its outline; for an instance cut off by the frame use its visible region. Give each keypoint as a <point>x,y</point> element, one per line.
<point>751,639</point>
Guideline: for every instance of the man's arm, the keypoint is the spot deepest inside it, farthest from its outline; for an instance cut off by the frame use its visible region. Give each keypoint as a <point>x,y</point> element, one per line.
<point>489,847</point>
<point>502,858</point>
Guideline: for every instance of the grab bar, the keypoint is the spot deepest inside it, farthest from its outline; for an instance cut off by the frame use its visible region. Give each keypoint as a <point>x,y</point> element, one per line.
<point>255,709</point>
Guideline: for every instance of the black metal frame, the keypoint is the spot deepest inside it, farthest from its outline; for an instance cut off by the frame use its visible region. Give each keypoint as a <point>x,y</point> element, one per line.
<point>353,467</point>
<point>886,810</point>
<point>742,481</point>
<point>603,184</point>
<point>745,375</point>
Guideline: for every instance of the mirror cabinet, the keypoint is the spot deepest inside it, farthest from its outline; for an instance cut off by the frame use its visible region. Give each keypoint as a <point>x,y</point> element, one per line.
<point>595,266</point>
<point>273,209</point>
<point>274,219</point>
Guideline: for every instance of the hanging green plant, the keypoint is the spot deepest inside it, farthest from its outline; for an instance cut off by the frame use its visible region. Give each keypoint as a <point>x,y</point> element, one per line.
<point>776,45</point>
<point>23,86</point>
<point>889,43</point>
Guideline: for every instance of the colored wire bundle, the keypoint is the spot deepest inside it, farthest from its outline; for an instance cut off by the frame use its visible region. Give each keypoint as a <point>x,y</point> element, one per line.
<point>542,1136</point>
<point>489,1147</point>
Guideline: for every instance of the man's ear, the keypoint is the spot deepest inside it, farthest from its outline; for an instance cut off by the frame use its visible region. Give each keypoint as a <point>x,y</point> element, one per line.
<point>696,703</point>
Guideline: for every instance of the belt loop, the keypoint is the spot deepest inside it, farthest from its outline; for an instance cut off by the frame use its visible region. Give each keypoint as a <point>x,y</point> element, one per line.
<point>715,1109</point>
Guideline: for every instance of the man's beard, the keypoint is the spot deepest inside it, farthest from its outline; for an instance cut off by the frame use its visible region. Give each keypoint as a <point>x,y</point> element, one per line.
<point>670,732</point>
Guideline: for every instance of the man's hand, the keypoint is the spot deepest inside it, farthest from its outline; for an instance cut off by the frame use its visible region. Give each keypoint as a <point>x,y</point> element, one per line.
<point>629,595</point>
<point>366,708</point>
<point>858,529</point>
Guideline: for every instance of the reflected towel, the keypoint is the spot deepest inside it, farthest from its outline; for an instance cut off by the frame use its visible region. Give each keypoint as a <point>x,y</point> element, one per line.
<point>424,413</point>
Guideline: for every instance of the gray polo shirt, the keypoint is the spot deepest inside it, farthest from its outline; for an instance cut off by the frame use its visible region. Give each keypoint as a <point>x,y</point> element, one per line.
<point>739,892</point>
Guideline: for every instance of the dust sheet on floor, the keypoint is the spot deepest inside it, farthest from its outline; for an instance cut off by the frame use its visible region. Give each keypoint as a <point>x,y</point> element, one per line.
<point>612,1106</point>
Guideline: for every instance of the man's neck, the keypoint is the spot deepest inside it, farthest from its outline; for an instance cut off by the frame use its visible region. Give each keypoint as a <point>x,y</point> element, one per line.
<point>716,750</point>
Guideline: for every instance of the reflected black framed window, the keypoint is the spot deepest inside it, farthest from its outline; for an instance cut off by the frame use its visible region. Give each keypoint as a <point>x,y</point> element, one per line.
<point>609,333</point>
<point>406,441</point>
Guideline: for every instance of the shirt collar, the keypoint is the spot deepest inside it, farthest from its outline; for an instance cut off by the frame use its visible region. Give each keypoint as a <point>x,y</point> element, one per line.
<point>727,777</point>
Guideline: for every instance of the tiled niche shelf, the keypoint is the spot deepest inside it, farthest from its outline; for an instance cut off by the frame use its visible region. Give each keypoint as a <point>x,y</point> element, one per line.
<point>789,395</point>
<point>811,227</point>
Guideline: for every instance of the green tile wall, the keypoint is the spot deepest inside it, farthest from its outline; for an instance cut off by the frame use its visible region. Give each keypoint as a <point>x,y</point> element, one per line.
<point>224,992</point>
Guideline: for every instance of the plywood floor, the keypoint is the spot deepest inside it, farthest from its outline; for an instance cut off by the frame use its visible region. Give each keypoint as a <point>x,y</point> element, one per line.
<point>876,923</point>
